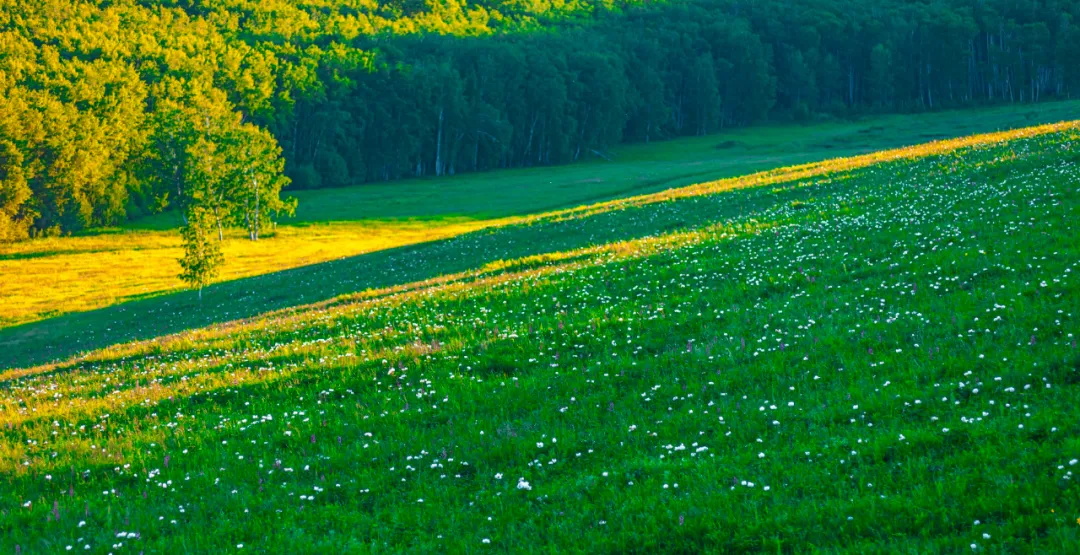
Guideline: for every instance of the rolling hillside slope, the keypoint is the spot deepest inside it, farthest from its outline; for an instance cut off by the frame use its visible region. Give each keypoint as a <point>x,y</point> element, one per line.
<point>867,355</point>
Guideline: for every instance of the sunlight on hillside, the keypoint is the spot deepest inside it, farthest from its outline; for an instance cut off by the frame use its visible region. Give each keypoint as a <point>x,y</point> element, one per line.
<point>71,274</point>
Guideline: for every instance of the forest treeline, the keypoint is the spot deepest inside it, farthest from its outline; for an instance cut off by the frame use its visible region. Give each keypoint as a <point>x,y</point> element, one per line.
<point>112,109</point>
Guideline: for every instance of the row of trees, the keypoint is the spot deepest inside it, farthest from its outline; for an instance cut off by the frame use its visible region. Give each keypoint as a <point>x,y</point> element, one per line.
<point>102,119</point>
<point>113,109</point>
<point>437,105</point>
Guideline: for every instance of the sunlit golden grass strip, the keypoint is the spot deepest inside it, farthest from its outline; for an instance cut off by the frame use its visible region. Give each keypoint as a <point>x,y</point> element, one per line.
<point>815,169</point>
<point>40,411</point>
<point>117,449</point>
<point>71,274</point>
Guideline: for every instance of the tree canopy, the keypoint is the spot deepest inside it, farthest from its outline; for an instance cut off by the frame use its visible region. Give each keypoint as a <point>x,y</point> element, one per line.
<point>117,108</point>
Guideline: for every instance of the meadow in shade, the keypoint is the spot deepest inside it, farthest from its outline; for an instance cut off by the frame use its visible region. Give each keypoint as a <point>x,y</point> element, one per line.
<point>870,355</point>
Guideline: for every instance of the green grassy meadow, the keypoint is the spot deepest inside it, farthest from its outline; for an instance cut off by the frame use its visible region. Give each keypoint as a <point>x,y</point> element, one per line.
<point>875,360</point>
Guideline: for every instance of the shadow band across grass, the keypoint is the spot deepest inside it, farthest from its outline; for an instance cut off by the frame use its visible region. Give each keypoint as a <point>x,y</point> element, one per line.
<point>70,334</point>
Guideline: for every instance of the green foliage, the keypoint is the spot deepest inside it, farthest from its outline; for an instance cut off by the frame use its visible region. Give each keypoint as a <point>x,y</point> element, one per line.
<point>105,101</point>
<point>117,106</point>
<point>14,192</point>
<point>202,253</point>
<point>256,179</point>
<point>434,104</point>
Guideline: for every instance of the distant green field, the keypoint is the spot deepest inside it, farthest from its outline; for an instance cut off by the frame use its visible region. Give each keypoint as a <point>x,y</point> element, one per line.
<point>647,168</point>
<point>874,360</point>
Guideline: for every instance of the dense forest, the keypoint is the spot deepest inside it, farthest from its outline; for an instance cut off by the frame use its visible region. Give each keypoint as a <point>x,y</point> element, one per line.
<point>117,108</point>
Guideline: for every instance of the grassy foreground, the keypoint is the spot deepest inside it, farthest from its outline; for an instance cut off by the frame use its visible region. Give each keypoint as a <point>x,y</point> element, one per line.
<point>54,277</point>
<point>870,358</point>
